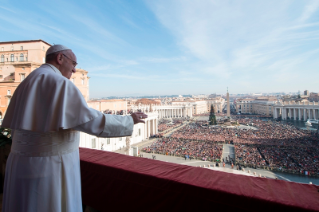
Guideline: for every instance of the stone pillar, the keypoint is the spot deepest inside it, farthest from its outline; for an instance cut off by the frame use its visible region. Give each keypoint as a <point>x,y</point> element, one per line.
<point>309,114</point>
<point>299,114</point>
<point>145,130</point>
<point>304,114</point>
<point>148,128</point>
<point>289,111</point>
<point>295,113</point>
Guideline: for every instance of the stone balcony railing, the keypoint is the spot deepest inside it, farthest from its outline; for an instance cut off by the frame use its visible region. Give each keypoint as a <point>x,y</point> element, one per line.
<point>115,182</point>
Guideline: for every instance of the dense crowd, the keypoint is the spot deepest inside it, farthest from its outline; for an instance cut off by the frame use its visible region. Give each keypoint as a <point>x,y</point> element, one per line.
<point>186,148</point>
<point>249,155</point>
<point>263,143</point>
<point>165,124</point>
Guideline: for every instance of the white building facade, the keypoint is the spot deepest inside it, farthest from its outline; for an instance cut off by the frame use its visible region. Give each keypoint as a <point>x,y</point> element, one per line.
<point>141,132</point>
<point>166,111</point>
<point>296,110</point>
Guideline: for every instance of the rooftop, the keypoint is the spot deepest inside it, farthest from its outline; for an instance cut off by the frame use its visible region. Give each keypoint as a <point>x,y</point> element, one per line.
<point>24,41</point>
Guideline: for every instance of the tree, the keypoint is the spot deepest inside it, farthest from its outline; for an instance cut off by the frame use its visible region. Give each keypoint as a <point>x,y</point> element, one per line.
<point>212,117</point>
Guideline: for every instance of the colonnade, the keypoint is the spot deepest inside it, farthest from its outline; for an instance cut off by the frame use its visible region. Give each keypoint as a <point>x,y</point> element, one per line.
<point>293,111</point>
<point>166,111</point>
<point>150,127</point>
<point>174,112</point>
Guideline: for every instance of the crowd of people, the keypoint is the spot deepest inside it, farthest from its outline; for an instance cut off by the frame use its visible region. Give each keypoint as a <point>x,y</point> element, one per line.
<point>166,124</point>
<point>186,148</point>
<point>273,144</point>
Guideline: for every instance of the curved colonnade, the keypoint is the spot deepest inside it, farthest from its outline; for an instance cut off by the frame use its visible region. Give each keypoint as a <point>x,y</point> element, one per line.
<point>296,111</point>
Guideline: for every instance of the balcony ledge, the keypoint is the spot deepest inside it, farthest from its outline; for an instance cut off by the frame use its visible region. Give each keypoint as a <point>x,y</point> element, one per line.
<point>115,182</point>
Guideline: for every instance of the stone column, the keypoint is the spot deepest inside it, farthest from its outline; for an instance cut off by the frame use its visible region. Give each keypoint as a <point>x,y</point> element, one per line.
<point>299,114</point>
<point>289,113</point>
<point>314,113</point>
<point>304,114</point>
<point>156,126</point>
<point>309,115</point>
<point>295,113</point>
<point>148,128</point>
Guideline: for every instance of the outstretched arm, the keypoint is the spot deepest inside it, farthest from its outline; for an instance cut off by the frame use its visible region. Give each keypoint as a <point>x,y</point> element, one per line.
<point>107,125</point>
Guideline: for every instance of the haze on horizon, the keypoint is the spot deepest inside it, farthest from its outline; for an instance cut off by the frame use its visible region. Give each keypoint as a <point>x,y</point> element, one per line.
<point>170,47</point>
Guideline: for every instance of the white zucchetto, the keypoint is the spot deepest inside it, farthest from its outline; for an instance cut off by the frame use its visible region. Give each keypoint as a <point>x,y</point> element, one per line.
<point>56,48</point>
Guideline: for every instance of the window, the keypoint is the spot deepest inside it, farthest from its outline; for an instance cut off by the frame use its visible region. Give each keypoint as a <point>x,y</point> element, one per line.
<point>120,139</point>
<point>12,48</point>
<point>21,47</point>
<point>82,81</point>
<point>108,141</point>
<point>8,92</point>
<point>139,132</point>
<point>22,77</point>
<point>1,76</point>
<point>93,143</point>
<point>26,58</point>
<point>21,57</point>
<point>22,68</point>
<point>2,58</point>
<point>12,57</point>
<point>43,48</point>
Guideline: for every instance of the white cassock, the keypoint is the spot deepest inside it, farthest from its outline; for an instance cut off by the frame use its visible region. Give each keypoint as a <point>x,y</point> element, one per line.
<point>46,113</point>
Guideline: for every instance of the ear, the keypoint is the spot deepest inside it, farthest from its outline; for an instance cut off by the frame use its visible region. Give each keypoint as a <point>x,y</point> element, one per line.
<point>59,58</point>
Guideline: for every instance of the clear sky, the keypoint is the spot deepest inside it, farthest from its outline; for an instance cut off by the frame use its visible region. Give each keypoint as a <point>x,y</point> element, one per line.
<point>164,47</point>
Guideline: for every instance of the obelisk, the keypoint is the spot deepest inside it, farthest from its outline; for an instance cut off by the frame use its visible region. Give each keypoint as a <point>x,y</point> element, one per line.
<point>228,105</point>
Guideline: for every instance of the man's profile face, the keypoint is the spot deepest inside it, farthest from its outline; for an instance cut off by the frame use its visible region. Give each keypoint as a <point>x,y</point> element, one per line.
<point>67,67</point>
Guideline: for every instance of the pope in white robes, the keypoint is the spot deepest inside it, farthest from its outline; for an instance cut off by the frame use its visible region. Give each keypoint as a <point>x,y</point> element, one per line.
<point>46,113</point>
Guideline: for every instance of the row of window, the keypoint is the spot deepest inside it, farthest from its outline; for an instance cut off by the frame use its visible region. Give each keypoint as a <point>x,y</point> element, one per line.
<point>12,58</point>
<point>2,48</point>
<point>21,48</point>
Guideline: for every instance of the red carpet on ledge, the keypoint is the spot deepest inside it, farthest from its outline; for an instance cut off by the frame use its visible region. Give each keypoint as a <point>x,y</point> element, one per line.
<point>116,182</point>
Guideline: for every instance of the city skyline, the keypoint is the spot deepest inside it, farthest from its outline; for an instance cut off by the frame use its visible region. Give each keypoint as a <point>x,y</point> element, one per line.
<point>178,47</point>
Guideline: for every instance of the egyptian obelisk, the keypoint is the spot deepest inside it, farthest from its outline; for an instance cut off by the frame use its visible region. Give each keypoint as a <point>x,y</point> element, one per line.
<point>228,105</point>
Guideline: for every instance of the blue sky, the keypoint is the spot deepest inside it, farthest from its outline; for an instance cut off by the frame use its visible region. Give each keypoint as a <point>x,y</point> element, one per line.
<point>165,47</point>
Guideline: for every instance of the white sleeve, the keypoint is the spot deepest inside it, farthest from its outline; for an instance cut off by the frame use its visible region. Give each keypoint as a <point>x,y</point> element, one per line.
<point>107,126</point>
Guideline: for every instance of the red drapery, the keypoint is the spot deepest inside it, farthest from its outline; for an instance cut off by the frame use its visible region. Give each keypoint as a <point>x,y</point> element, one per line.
<point>115,182</point>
